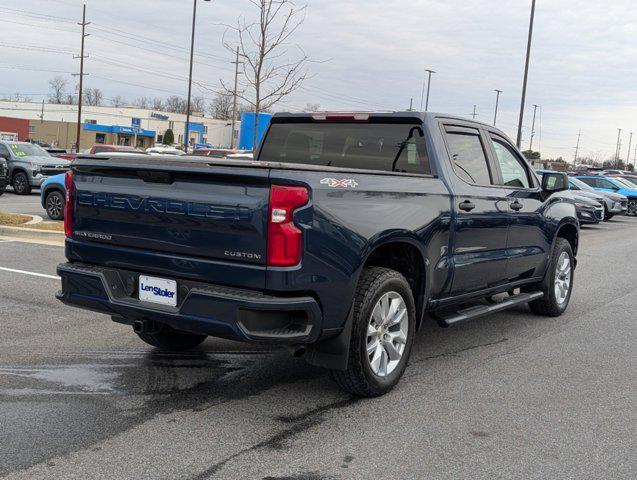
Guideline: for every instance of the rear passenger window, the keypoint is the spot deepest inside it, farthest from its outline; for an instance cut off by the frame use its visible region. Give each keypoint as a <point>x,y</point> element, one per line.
<point>468,157</point>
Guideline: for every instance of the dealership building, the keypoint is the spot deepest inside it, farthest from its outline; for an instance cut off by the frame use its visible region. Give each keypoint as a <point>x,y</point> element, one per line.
<point>57,125</point>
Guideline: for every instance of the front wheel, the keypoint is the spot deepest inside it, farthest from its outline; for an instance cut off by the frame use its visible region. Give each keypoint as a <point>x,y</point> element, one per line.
<point>383,329</point>
<point>558,281</point>
<point>54,204</point>
<point>632,207</point>
<point>20,184</point>
<point>171,340</point>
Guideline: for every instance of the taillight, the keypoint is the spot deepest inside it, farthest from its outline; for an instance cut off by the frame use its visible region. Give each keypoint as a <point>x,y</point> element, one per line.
<point>68,205</point>
<point>285,240</point>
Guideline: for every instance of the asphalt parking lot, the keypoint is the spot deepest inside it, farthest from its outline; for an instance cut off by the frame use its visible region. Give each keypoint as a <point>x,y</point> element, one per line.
<point>509,396</point>
<point>29,204</point>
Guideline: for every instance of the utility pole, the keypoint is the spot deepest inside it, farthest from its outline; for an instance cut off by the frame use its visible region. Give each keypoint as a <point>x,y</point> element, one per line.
<point>42,114</point>
<point>411,104</point>
<point>526,74</point>
<point>192,51</point>
<point>422,95</point>
<point>474,114</point>
<point>497,101</point>
<point>630,141</point>
<point>234,100</point>
<point>619,133</point>
<point>579,134</point>
<point>533,128</point>
<point>81,75</point>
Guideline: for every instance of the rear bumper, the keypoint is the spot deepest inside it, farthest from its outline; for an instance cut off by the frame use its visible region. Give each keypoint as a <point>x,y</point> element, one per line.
<point>236,314</point>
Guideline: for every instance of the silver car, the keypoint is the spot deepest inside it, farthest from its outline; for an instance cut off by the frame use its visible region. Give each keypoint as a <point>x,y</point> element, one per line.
<point>29,165</point>
<point>614,203</point>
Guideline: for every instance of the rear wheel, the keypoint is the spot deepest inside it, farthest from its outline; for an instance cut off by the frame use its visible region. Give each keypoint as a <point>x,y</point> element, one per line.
<point>632,207</point>
<point>382,333</point>
<point>20,184</point>
<point>558,281</point>
<point>171,340</point>
<point>54,204</point>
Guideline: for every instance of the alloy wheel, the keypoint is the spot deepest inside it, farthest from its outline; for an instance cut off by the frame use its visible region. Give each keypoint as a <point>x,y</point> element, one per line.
<point>19,183</point>
<point>54,205</point>
<point>387,333</point>
<point>563,275</point>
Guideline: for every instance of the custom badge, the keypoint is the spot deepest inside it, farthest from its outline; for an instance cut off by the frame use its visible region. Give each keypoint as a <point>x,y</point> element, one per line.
<point>339,182</point>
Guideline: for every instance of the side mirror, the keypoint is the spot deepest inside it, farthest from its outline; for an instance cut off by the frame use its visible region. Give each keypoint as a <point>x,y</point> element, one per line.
<point>554,182</point>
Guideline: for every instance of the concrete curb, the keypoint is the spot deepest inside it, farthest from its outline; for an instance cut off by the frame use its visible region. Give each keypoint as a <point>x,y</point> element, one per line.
<point>31,233</point>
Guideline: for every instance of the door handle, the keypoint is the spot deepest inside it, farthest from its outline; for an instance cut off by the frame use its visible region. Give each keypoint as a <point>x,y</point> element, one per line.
<point>517,206</point>
<point>467,206</point>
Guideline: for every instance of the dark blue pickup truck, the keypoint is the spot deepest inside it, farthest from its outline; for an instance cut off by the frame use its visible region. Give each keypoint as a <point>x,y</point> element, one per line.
<point>338,240</point>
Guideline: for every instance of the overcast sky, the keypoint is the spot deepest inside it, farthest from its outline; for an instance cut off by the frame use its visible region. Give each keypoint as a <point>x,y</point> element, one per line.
<point>369,55</point>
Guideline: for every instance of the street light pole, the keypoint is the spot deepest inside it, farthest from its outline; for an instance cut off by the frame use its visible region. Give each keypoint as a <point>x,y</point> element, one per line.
<point>526,74</point>
<point>533,128</point>
<point>192,52</point>
<point>630,141</point>
<point>422,95</point>
<point>497,100</point>
<point>619,134</point>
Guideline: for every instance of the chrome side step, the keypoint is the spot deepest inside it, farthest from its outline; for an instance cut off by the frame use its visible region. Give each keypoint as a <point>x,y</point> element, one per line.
<point>447,320</point>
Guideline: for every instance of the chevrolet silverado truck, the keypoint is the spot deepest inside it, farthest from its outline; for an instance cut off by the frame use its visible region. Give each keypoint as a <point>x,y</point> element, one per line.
<point>338,240</point>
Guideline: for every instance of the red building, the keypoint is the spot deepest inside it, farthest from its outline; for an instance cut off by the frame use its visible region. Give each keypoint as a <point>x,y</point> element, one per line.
<point>15,125</point>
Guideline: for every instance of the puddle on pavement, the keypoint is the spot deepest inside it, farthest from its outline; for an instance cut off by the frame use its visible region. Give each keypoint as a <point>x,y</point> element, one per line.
<point>125,373</point>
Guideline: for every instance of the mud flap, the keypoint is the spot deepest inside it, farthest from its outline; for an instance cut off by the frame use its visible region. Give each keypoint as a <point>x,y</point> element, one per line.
<point>334,352</point>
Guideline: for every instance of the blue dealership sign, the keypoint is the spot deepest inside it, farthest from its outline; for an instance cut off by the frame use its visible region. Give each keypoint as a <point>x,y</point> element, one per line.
<point>136,124</point>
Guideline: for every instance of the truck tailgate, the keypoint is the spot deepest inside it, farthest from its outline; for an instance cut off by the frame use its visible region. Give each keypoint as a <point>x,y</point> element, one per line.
<point>182,207</point>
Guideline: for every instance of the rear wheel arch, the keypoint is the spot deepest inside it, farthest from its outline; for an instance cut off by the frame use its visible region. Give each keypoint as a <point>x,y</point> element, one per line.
<point>407,259</point>
<point>570,233</point>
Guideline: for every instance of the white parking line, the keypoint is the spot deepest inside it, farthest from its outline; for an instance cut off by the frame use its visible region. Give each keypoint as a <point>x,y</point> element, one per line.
<point>35,274</point>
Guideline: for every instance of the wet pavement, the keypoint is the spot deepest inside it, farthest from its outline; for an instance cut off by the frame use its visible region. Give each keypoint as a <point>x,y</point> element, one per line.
<point>509,396</point>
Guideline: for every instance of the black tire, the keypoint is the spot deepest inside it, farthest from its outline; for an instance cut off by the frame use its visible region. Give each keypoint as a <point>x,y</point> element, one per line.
<point>607,214</point>
<point>359,379</point>
<point>54,205</point>
<point>20,184</point>
<point>632,207</point>
<point>170,340</point>
<point>549,305</point>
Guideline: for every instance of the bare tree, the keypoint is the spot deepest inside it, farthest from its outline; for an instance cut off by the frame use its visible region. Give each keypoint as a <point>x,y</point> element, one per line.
<point>175,104</point>
<point>118,101</point>
<point>263,49</point>
<point>312,107</point>
<point>157,103</point>
<point>221,107</point>
<point>58,86</point>
<point>197,105</point>
<point>143,102</point>
<point>70,99</point>
<point>93,96</point>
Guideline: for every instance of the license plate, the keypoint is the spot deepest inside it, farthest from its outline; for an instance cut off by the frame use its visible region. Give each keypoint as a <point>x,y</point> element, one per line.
<point>158,290</point>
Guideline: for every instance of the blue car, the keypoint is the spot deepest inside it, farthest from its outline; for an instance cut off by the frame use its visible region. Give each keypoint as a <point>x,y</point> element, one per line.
<point>53,196</point>
<point>614,185</point>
